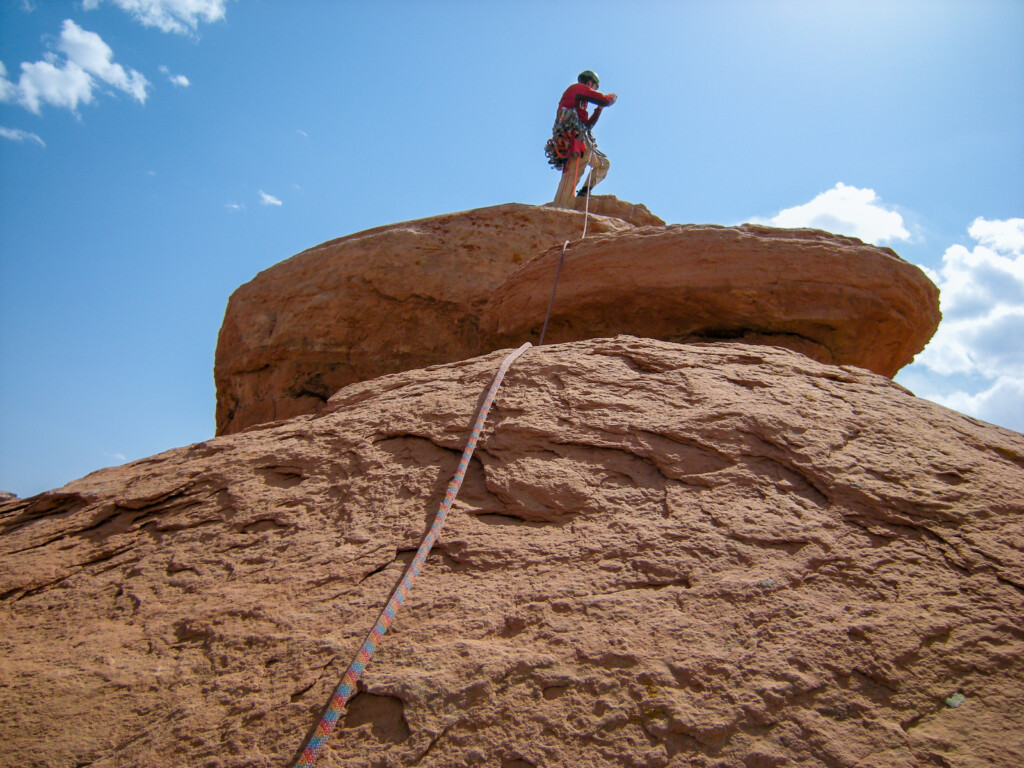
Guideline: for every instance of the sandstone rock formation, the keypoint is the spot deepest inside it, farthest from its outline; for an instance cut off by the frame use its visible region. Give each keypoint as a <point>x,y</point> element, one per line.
<point>452,287</point>
<point>385,300</point>
<point>832,298</point>
<point>664,555</point>
<point>609,205</point>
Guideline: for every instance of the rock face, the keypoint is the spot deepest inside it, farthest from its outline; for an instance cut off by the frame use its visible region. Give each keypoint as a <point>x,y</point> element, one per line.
<point>663,555</point>
<point>609,205</point>
<point>452,287</point>
<point>832,298</point>
<point>385,300</point>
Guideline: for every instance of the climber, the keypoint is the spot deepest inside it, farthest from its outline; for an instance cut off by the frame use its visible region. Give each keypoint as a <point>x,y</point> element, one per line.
<point>572,146</point>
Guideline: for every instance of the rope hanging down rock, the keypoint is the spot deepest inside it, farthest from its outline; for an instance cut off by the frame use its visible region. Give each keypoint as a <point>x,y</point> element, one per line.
<point>558,271</point>
<point>347,687</point>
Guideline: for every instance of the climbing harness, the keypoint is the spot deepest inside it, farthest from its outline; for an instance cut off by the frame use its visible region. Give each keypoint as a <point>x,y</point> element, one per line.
<point>569,135</point>
<point>347,687</point>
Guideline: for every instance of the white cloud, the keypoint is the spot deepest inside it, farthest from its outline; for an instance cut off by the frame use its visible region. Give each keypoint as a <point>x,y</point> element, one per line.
<point>1002,403</point>
<point>8,90</point>
<point>982,301</point>
<point>234,206</point>
<point>179,80</point>
<point>16,134</point>
<point>42,82</point>
<point>87,50</point>
<point>1005,236</point>
<point>981,336</point>
<point>845,210</point>
<point>71,82</point>
<point>180,16</point>
<point>269,199</point>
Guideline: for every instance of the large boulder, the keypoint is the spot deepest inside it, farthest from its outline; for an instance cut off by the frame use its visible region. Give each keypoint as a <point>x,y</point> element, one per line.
<point>450,287</point>
<point>385,300</point>
<point>835,299</point>
<point>663,555</point>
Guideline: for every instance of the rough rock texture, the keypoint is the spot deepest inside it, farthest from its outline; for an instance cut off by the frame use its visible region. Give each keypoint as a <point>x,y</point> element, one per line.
<point>609,205</point>
<point>664,555</point>
<point>389,299</point>
<point>455,286</point>
<point>832,298</point>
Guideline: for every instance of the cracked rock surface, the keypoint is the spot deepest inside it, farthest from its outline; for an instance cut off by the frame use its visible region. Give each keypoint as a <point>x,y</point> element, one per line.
<point>663,555</point>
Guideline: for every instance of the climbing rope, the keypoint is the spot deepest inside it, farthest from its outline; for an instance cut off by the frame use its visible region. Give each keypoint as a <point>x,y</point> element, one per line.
<point>347,687</point>
<point>554,286</point>
<point>586,214</point>
<point>558,271</point>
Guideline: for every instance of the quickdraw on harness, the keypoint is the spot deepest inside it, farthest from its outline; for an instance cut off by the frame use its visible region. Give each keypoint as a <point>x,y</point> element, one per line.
<point>569,136</point>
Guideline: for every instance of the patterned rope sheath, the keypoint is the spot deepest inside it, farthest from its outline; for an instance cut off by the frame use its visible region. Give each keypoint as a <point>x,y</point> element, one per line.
<point>347,687</point>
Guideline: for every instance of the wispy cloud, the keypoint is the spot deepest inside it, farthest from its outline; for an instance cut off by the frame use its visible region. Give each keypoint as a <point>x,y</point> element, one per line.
<point>178,16</point>
<point>979,339</point>
<point>72,81</point>
<point>16,134</point>
<point>179,80</point>
<point>266,199</point>
<point>845,210</point>
<point>232,206</point>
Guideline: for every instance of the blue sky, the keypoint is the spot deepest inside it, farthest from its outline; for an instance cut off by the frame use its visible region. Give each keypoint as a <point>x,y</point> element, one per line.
<point>156,154</point>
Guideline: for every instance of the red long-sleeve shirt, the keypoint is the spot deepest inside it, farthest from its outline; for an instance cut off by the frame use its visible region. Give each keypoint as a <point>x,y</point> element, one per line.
<point>578,96</point>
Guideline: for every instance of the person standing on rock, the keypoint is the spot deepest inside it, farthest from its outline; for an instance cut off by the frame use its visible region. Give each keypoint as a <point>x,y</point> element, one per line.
<point>572,146</point>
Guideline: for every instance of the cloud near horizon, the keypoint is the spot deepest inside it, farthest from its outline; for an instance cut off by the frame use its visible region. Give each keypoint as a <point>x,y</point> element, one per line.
<point>89,61</point>
<point>844,210</point>
<point>179,16</point>
<point>982,302</point>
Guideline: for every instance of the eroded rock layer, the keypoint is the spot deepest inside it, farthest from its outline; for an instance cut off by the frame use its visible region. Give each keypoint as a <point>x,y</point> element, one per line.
<point>455,286</point>
<point>833,298</point>
<point>389,299</point>
<point>663,555</point>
